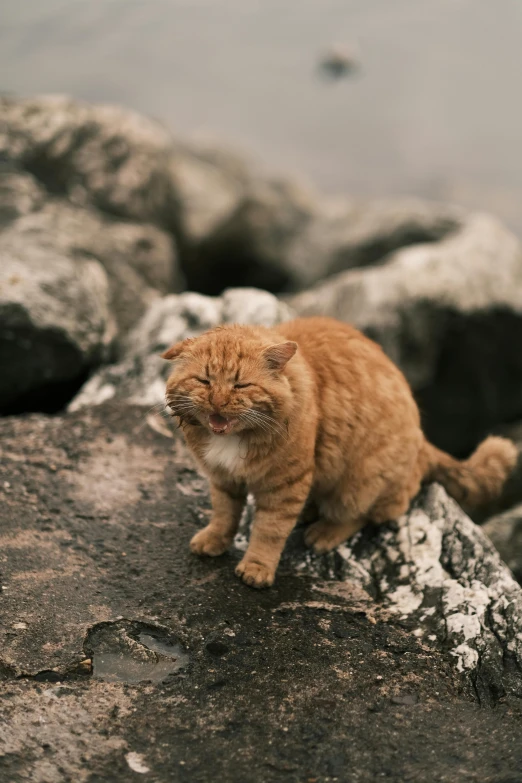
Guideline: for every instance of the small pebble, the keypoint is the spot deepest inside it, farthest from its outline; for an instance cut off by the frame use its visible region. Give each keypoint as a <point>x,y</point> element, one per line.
<point>136,762</point>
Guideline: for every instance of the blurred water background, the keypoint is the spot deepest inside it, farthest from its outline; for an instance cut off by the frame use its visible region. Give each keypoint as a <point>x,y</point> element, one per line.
<point>434,111</point>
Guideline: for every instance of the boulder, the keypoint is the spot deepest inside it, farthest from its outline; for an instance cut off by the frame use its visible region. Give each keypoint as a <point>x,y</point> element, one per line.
<point>347,234</point>
<point>436,569</point>
<point>253,245</point>
<point>20,194</point>
<point>209,183</point>
<point>140,376</point>
<point>139,259</point>
<point>56,322</point>
<point>72,282</point>
<point>449,313</point>
<point>102,155</point>
<point>121,653</point>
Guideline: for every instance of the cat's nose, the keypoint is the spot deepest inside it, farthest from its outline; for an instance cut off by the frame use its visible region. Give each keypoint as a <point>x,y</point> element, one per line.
<point>217,400</point>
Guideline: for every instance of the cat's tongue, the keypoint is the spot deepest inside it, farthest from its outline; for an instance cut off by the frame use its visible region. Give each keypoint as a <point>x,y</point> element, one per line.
<point>218,423</point>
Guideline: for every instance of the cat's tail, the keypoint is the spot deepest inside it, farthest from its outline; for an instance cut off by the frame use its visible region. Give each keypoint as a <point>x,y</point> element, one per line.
<point>477,480</point>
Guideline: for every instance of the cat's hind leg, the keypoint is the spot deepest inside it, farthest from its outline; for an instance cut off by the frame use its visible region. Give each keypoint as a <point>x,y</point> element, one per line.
<point>391,506</point>
<point>339,520</point>
<point>323,536</point>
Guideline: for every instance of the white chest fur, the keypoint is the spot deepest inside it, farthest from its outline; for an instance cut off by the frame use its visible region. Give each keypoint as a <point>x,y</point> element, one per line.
<point>224,452</point>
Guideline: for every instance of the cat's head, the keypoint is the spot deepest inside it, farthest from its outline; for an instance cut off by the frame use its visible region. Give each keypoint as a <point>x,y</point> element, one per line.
<point>231,379</point>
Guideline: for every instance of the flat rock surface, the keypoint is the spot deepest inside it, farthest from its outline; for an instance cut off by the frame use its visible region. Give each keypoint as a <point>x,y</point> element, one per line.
<point>313,680</point>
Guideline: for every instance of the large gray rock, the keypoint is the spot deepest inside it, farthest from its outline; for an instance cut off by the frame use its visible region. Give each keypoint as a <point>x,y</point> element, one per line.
<point>140,377</point>
<point>55,317</point>
<point>72,284</point>
<point>347,234</point>
<point>121,653</point>
<point>283,236</point>
<point>122,163</point>
<point>102,155</point>
<point>253,245</point>
<point>139,259</point>
<point>20,194</point>
<point>449,313</point>
<point>68,170</point>
<point>209,183</point>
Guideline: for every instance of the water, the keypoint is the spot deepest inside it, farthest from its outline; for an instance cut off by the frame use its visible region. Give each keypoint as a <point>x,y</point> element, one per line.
<point>435,111</point>
<point>128,651</point>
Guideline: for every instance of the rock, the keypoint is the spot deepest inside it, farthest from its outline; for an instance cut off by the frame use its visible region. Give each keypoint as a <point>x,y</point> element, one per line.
<point>72,283</point>
<point>209,183</point>
<point>122,163</point>
<point>56,322</point>
<point>355,659</point>
<point>111,158</point>
<point>253,245</point>
<point>140,376</point>
<point>435,568</point>
<point>139,259</point>
<point>69,169</point>
<point>20,194</point>
<point>280,235</point>
<point>505,531</point>
<point>347,234</point>
<point>449,313</point>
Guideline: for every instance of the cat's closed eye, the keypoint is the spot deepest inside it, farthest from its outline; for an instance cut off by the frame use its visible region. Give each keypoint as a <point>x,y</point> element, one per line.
<point>241,385</point>
<point>204,381</point>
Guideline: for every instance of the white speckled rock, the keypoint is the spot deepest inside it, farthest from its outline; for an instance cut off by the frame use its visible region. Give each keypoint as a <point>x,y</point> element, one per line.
<point>139,378</point>
<point>435,570</point>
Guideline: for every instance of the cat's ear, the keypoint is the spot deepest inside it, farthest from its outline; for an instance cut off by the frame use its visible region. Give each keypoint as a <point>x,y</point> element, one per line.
<point>175,351</point>
<point>277,356</point>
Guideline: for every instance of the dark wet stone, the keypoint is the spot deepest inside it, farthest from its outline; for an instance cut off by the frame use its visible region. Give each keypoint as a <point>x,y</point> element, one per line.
<point>217,648</point>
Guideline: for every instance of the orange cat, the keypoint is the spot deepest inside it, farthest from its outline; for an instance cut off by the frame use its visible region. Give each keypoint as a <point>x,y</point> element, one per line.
<point>310,408</point>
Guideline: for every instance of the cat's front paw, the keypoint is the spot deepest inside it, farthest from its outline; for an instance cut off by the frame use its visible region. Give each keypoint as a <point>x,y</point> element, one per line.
<point>209,542</point>
<point>255,574</point>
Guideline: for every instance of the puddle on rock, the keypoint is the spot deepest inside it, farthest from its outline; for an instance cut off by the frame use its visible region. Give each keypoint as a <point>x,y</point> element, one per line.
<point>132,652</point>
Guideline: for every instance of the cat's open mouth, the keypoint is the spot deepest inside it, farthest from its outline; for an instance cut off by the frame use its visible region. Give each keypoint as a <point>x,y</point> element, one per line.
<point>219,424</point>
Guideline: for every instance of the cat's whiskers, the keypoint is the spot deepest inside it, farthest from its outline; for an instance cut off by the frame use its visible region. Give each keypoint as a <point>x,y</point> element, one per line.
<point>265,422</point>
<point>249,420</point>
<point>181,405</point>
<point>159,407</point>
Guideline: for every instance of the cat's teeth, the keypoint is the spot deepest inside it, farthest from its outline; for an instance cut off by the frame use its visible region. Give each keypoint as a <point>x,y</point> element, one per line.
<point>219,424</point>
